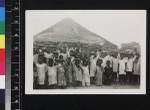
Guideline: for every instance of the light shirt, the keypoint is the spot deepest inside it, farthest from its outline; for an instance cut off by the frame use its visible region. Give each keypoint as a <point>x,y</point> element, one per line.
<point>41,70</point>
<point>115,64</point>
<point>129,66</point>
<point>122,63</point>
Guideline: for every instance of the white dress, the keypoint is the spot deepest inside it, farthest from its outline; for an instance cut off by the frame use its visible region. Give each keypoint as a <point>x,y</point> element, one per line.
<point>93,67</point>
<point>41,70</point>
<point>130,64</point>
<point>115,64</point>
<point>52,75</point>
<point>86,76</point>
<point>122,63</point>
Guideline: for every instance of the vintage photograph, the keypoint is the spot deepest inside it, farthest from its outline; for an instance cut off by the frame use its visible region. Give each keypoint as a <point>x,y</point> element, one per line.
<point>85,51</point>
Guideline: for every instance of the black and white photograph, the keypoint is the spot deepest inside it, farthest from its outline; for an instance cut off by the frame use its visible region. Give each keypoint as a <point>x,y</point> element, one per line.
<point>85,52</point>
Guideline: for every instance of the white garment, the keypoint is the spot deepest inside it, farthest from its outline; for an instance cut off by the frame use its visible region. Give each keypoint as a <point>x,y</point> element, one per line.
<point>48,55</point>
<point>130,64</point>
<point>93,67</point>
<point>41,70</point>
<point>86,76</point>
<point>110,58</point>
<point>122,63</point>
<point>52,75</point>
<point>107,58</point>
<point>65,56</point>
<point>115,64</point>
<point>104,62</point>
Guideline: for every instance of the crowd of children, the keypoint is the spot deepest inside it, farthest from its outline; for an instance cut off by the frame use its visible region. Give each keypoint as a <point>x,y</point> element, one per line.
<point>63,69</point>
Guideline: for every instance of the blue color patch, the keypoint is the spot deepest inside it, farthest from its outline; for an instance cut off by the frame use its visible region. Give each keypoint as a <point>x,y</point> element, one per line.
<point>2,14</point>
<point>2,3</point>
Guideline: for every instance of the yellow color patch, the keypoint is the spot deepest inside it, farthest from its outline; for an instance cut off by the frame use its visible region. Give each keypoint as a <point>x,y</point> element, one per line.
<point>2,41</point>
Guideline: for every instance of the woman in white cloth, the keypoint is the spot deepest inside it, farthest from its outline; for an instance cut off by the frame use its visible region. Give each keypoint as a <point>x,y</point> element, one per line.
<point>52,73</point>
<point>93,60</point>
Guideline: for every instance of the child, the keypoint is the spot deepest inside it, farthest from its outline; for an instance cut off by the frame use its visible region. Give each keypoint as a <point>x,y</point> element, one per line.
<point>129,68</point>
<point>115,64</point>
<point>107,74</point>
<point>77,72</point>
<point>41,70</point>
<point>99,72</point>
<point>61,73</point>
<point>48,55</point>
<point>122,73</point>
<point>69,72</point>
<point>86,75</point>
<point>93,60</point>
<point>52,73</point>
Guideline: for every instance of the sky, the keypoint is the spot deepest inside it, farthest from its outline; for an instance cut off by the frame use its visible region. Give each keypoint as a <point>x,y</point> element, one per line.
<point>117,26</point>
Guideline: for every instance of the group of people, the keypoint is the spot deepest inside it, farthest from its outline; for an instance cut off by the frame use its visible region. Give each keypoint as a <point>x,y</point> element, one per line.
<point>67,68</point>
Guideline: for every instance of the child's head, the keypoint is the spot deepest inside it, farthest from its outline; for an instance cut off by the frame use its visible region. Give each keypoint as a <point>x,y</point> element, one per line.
<point>41,59</point>
<point>99,62</point>
<point>77,62</point>
<point>48,51</point>
<point>108,63</point>
<point>68,60</point>
<point>85,62</point>
<point>60,57</point>
<point>51,62</point>
<point>121,55</point>
<point>129,56</point>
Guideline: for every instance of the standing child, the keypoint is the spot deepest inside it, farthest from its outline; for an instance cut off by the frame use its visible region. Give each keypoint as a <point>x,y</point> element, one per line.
<point>77,72</point>
<point>52,74</point>
<point>86,75</point>
<point>108,73</point>
<point>93,60</point>
<point>48,55</point>
<point>115,64</point>
<point>61,73</point>
<point>122,67</point>
<point>129,68</point>
<point>41,70</point>
<point>99,72</point>
<point>69,72</point>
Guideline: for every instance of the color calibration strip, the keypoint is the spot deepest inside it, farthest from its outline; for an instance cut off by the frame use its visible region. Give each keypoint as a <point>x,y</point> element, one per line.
<point>2,44</point>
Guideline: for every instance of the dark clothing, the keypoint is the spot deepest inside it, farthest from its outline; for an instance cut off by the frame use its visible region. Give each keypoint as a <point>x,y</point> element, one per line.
<point>129,77</point>
<point>122,78</point>
<point>114,77</point>
<point>107,75</point>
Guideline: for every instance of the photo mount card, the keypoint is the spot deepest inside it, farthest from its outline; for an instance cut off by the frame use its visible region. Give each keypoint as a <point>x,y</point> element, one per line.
<point>105,28</point>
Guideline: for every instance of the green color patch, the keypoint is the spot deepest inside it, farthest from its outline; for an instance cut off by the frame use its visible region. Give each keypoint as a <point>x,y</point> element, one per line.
<point>2,27</point>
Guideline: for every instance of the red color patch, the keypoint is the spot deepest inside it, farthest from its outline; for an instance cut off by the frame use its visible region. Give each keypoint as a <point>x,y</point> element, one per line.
<point>2,55</point>
<point>2,68</point>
